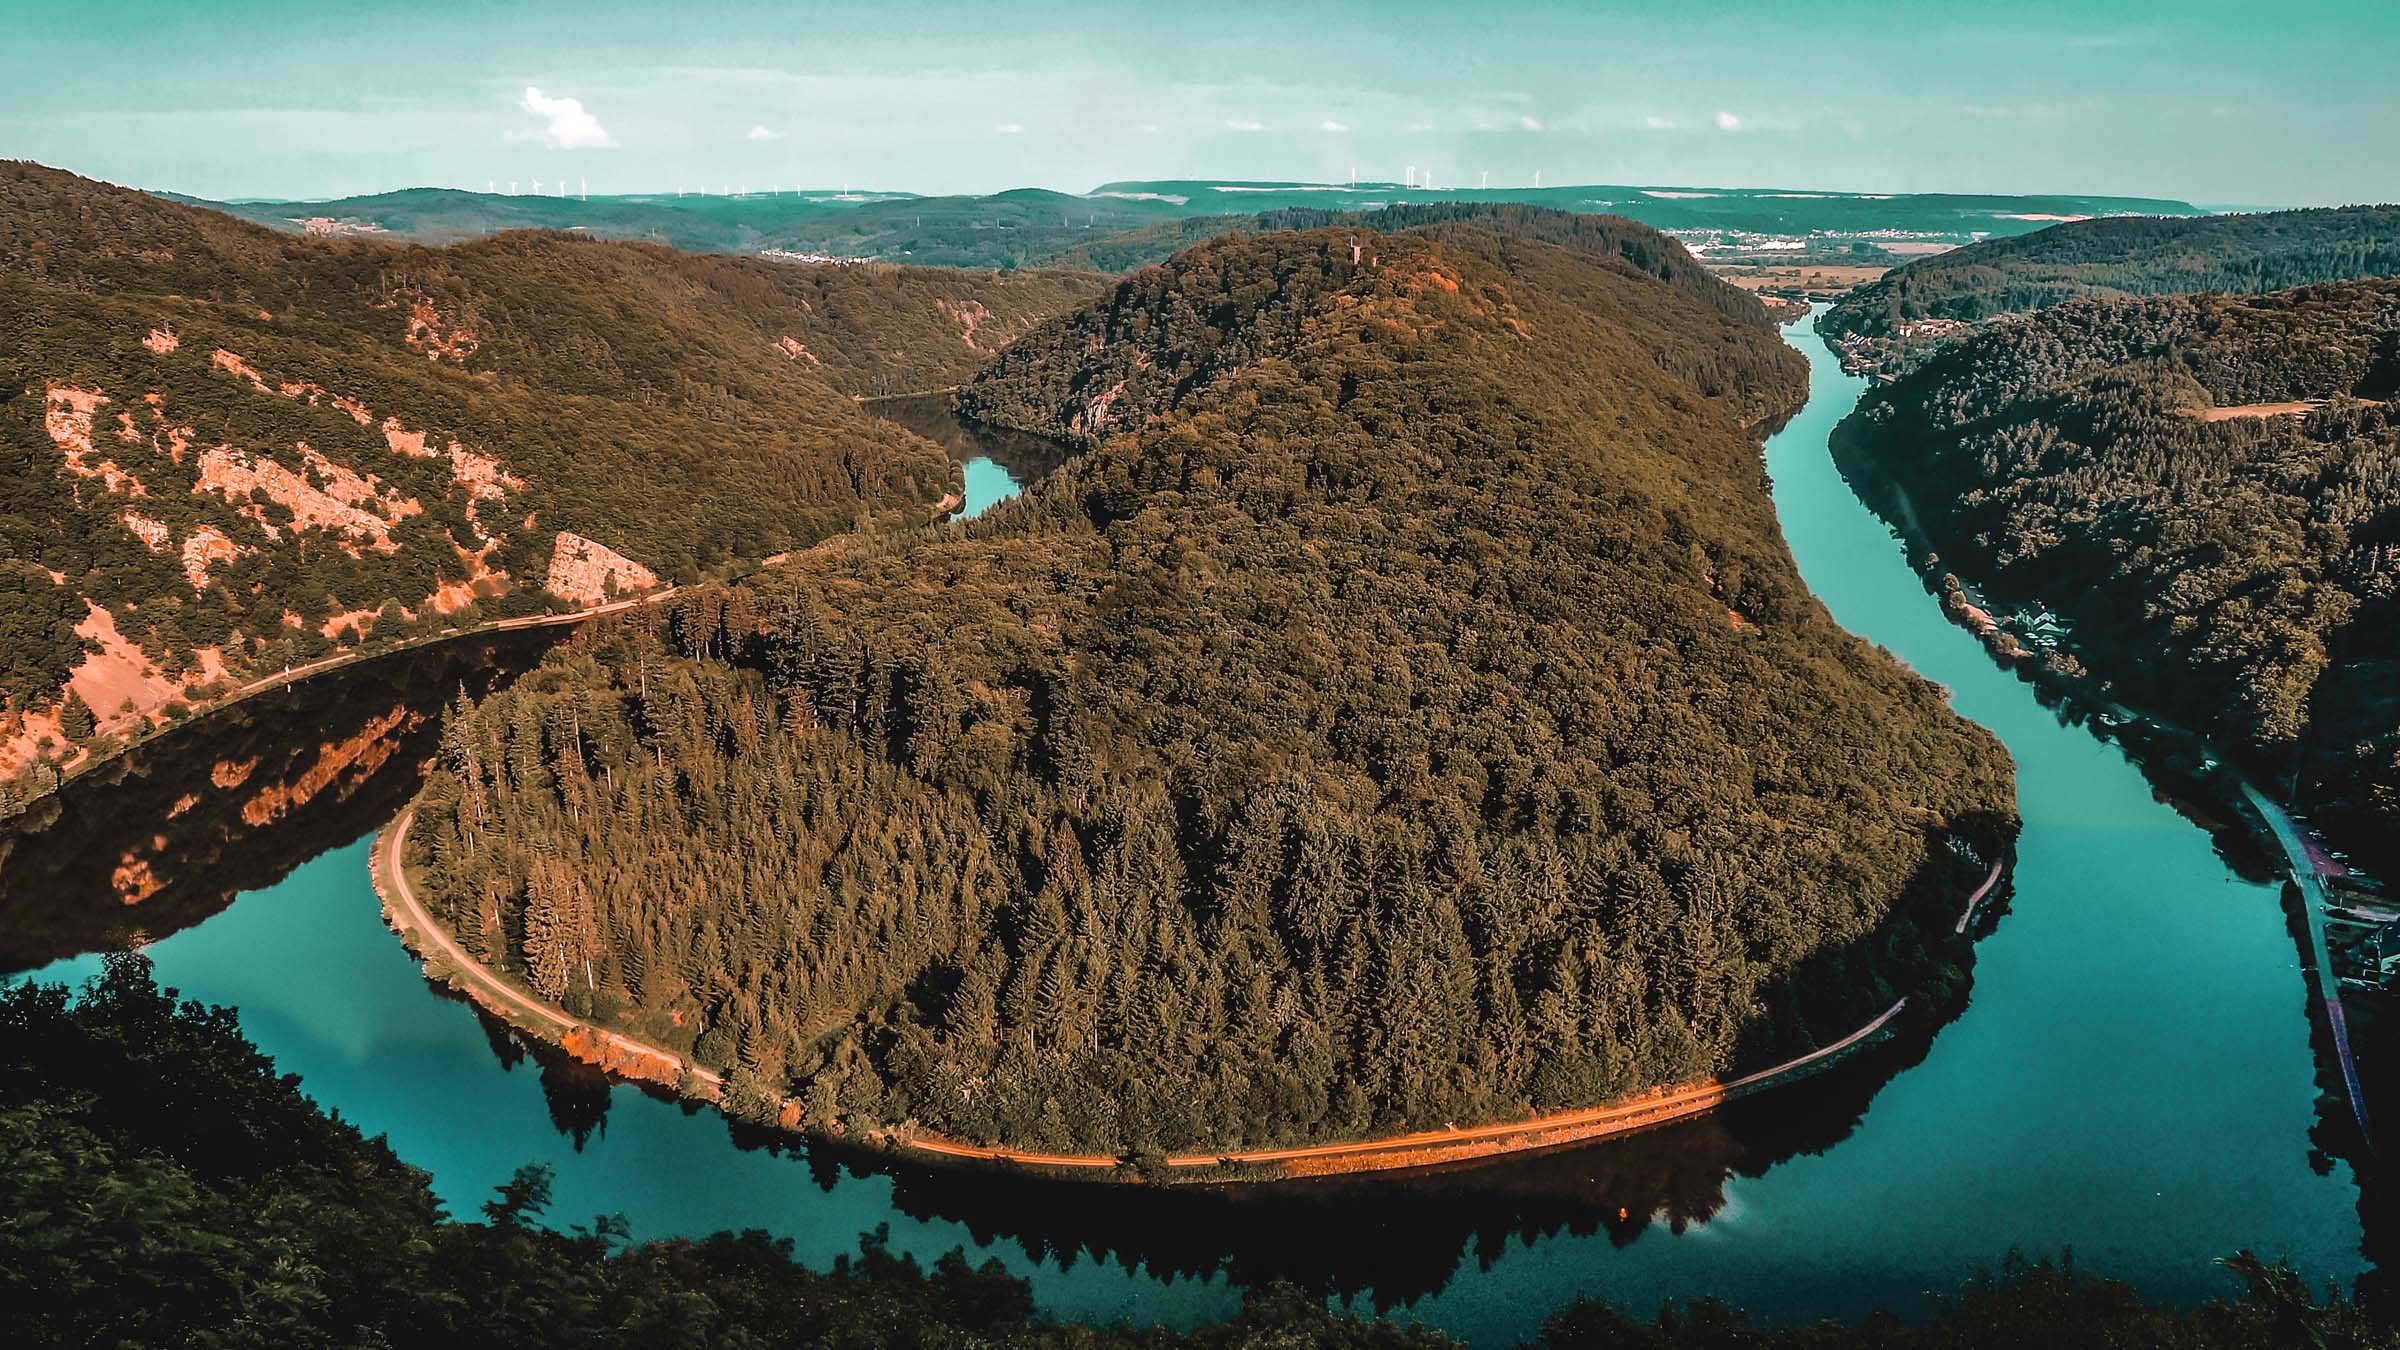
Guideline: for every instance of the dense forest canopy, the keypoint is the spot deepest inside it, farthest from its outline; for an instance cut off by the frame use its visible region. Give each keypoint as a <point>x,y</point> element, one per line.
<point>2208,489</point>
<point>1404,712</point>
<point>251,449</point>
<point>165,1186</point>
<point>1894,323</point>
<point>1636,246</point>
<point>1159,337</point>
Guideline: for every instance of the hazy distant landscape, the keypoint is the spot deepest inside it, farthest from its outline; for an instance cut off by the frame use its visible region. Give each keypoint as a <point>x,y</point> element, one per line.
<point>1130,223</point>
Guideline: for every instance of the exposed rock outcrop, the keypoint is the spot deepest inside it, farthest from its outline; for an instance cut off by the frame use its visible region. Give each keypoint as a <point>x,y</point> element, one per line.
<point>589,574</point>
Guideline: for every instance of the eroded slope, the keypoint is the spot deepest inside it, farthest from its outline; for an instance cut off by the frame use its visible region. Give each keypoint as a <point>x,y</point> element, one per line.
<point>224,450</point>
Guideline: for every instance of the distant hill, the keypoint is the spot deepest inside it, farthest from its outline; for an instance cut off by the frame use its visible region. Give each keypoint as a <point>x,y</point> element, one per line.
<point>1088,381</point>
<point>2205,490</point>
<point>1403,711</point>
<point>1888,326</point>
<point>1030,226</point>
<point>224,450</point>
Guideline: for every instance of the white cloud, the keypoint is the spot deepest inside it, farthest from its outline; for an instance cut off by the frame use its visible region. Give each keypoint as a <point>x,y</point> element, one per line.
<point>1530,123</point>
<point>1728,122</point>
<point>1654,122</point>
<point>761,133</point>
<point>1244,124</point>
<point>1420,126</point>
<point>2033,112</point>
<point>1330,125</point>
<point>566,126</point>
<point>1010,128</point>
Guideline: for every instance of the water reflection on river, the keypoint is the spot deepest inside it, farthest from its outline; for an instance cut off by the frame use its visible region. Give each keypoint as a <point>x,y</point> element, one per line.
<point>2133,1076</point>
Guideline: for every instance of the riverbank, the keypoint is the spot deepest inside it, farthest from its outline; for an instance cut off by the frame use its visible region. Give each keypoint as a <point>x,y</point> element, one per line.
<point>635,1060</point>
<point>2269,817</point>
<point>71,770</point>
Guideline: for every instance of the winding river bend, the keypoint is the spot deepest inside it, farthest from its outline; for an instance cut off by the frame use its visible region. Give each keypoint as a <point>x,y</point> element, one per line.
<point>2134,1075</point>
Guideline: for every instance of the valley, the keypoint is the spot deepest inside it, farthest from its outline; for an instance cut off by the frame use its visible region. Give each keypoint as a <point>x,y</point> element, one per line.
<point>232,455</point>
<point>1741,1205</point>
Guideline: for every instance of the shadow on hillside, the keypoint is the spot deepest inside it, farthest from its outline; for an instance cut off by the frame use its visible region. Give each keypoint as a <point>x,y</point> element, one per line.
<point>1027,457</point>
<point>169,833</point>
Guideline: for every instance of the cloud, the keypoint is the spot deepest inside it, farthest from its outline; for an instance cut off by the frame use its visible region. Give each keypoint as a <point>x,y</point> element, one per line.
<point>2035,112</point>
<point>1330,125</point>
<point>761,133</point>
<point>1654,122</point>
<point>1728,122</point>
<point>1010,129</point>
<point>1420,126</point>
<point>1530,123</point>
<point>1244,124</point>
<point>566,126</point>
<point>2090,41</point>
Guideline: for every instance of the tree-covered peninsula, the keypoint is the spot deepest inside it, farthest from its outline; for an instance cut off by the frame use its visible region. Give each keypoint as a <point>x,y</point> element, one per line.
<point>2206,491</point>
<point>1403,712</point>
<point>1894,324</point>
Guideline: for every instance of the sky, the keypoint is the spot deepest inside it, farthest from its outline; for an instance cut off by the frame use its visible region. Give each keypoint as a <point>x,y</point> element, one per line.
<point>2293,103</point>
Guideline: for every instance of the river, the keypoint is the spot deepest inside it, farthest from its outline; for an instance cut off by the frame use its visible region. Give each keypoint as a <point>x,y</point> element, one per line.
<point>2133,1076</point>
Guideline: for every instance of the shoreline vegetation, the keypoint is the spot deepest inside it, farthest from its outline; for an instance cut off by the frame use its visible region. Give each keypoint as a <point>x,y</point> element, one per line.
<point>2267,816</point>
<point>632,1060</point>
<point>239,1211</point>
<point>2238,574</point>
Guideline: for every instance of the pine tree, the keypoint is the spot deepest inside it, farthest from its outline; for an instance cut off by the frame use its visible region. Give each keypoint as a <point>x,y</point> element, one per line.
<point>75,718</point>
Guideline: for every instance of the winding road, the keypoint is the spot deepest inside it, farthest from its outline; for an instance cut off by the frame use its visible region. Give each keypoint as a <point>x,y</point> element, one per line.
<point>428,939</point>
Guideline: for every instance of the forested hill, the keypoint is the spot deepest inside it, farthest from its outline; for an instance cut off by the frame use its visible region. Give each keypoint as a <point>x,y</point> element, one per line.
<point>1891,325</point>
<point>223,449</point>
<point>2208,489</point>
<point>1166,333</point>
<point>1417,719</point>
<point>1635,245</point>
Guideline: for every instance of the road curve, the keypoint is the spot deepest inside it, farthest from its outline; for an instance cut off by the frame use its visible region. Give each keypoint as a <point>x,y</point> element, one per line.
<point>1420,1148</point>
<point>422,931</point>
